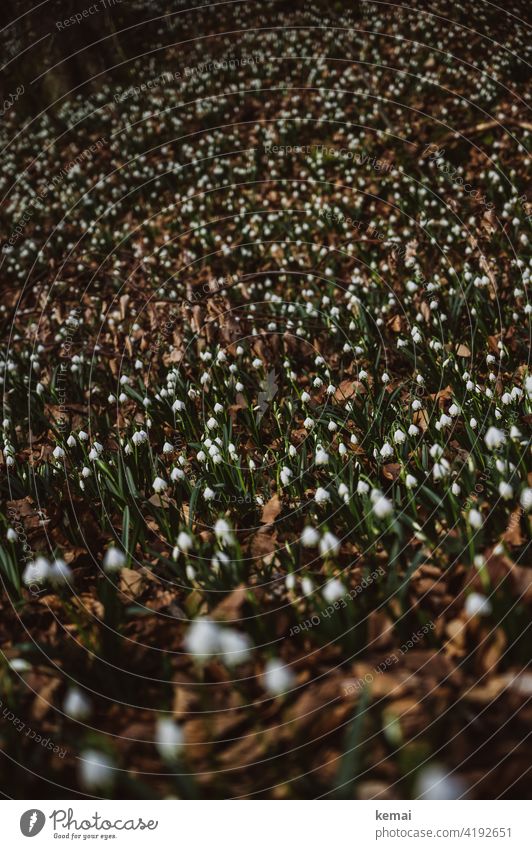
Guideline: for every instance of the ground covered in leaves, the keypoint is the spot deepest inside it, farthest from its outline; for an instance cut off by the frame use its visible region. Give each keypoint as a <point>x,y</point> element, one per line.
<point>266,412</point>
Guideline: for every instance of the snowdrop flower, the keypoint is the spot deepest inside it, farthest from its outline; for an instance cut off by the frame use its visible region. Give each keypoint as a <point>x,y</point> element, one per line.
<point>477,604</point>
<point>202,639</point>
<point>317,383</point>
<point>292,451</point>
<point>454,410</point>
<point>211,423</point>
<point>305,397</point>
<point>416,405</point>
<point>362,374</point>
<point>308,423</point>
<point>329,544</point>
<point>11,535</point>
<point>342,450</point>
<point>36,572</point>
<point>435,782</point>
<point>473,424</point>
<point>455,489</point>
<point>382,507</point>
<point>353,439</point>
<point>321,496</point>
<point>343,492</point>
<point>83,436</point>
<point>277,677</point>
<point>386,450</point>
<point>413,430</point>
<point>58,453</point>
<point>526,499</point>
<point>86,472</point>
<point>93,454</point>
<point>494,438</point>
<point>76,704</point>
<point>159,484</point>
<point>475,519</point>
<point>71,441</point>
<point>505,491</point>
<point>285,475</point>
<point>178,406</point>
<point>111,398</point>
<point>362,488</point>
<point>223,532</point>
<point>96,770</point>
<point>290,582</point>
<point>201,456</point>
<point>114,559</point>
<point>307,587</point>
<point>332,426</point>
<point>169,739</point>
<point>59,573</point>
<point>184,542</point>
<point>177,475</point>
<point>208,494</point>
<point>399,437</point>
<point>257,363</point>
<point>235,647</point>
<point>309,537</point>
<point>322,458</point>
<point>436,451</point>
<point>385,378</point>
<point>139,437</point>
<point>506,398</point>
<point>440,470</point>
<point>410,481</point>
<point>333,590</point>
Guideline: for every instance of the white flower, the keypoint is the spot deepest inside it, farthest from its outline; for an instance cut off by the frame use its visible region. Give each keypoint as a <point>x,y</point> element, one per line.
<point>36,572</point>
<point>385,378</point>
<point>202,639</point>
<point>362,488</point>
<point>321,496</point>
<point>342,450</point>
<point>159,484</point>
<point>309,537</point>
<point>11,535</point>
<point>257,363</point>
<point>139,437</point>
<point>399,437</point>
<point>435,782</point>
<point>410,481</point>
<point>332,426</point>
<point>83,436</point>
<point>322,458</point>
<point>177,475</point>
<point>96,769</point>
<point>285,475</point>
<point>223,532</point>
<point>71,441</point>
<point>201,456</point>
<point>86,472</point>
<point>343,492</point>
<point>436,451</point>
<point>235,647</point>
<point>305,397</point>
<point>333,590</point>
<point>473,424</point>
<point>169,739</point>
<point>526,499</point>
<point>59,572</point>
<point>455,489</point>
<point>114,559</point>
<point>505,490</point>
<point>353,439</point>
<point>208,493</point>
<point>386,450</point>
<point>382,506</point>
<point>307,587</point>
<point>477,604</point>
<point>440,470</point>
<point>178,406</point>
<point>168,448</point>
<point>454,410</point>
<point>292,451</point>
<point>416,405</point>
<point>494,438</point>
<point>277,677</point>
<point>475,519</point>
<point>184,542</point>
<point>211,423</point>
<point>329,544</point>
<point>58,453</point>
<point>308,423</point>
<point>76,704</point>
